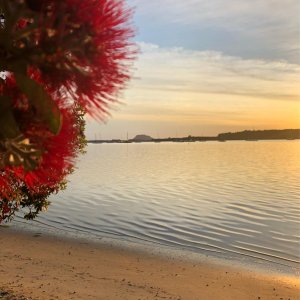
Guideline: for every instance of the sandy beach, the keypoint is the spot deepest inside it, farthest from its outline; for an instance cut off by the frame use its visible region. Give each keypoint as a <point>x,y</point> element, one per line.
<point>42,267</point>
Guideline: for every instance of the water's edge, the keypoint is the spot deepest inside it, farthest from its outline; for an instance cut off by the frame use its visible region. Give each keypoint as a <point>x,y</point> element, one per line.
<point>249,263</point>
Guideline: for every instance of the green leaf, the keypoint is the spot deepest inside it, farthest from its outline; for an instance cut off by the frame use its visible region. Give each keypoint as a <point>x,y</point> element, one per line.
<point>8,125</point>
<point>46,108</point>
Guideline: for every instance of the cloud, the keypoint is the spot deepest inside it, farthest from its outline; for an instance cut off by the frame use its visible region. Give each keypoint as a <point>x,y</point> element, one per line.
<point>181,71</point>
<point>205,92</point>
<point>261,28</point>
<point>240,14</point>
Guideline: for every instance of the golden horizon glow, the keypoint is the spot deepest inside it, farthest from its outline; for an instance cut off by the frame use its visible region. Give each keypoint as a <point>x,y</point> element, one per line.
<point>179,91</point>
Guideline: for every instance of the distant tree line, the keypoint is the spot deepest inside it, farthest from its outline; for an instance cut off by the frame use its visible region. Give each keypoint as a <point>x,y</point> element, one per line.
<point>261,135</point>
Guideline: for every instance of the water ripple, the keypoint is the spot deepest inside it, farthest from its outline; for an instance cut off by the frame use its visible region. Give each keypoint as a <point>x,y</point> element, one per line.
<point>239,198</point>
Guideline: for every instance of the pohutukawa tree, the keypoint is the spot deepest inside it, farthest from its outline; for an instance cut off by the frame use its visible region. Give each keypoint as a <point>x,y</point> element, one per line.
<point>58,61</point>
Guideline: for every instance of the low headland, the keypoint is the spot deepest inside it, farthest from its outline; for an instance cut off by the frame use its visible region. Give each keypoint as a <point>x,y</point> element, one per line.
<point>246,135</point>
<point>38,266</point>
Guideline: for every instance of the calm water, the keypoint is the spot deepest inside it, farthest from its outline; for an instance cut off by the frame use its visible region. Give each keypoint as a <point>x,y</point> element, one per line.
<point>235,198</point>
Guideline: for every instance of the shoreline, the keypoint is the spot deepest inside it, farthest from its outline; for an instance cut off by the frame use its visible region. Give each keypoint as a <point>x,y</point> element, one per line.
<point>131,244</point>
<point>40,266</point>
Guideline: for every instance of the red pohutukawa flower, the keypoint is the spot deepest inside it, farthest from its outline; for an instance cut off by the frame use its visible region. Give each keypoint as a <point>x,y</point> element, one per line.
<point>52,155</point>
<point>57,157</point>
<point>86,49</point>
<point>62,56</point>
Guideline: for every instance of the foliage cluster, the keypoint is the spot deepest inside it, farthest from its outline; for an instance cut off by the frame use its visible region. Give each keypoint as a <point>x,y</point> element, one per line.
<point>59,61</point>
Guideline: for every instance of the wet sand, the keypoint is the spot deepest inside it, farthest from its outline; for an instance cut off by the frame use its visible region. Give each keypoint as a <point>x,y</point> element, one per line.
<point>42,267</point>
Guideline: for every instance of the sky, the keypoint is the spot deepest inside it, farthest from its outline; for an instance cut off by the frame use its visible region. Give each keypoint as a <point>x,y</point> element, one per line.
<point>207,67</point>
